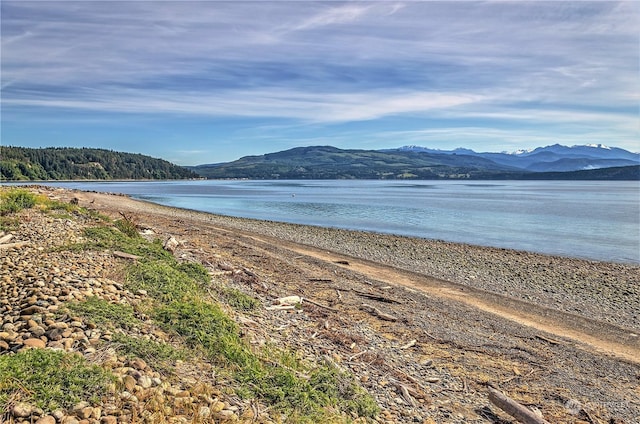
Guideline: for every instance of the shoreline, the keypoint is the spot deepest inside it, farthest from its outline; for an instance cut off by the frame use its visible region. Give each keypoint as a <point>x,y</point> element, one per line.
<point>399,312</point>
<point>607,291</point>
<point>582,253</point>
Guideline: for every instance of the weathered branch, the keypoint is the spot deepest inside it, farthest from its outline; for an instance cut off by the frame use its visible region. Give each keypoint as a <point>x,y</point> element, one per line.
<point>313,302</point>
<point>376,312</point>
<point>124,255</point>
<point>373,296</point>
<point>513,408</point>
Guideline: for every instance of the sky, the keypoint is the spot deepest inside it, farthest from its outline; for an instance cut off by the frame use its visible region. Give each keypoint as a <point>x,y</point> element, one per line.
<point>197,82</point>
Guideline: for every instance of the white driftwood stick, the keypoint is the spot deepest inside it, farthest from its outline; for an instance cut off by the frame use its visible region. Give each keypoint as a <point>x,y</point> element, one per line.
<point>513,408</point>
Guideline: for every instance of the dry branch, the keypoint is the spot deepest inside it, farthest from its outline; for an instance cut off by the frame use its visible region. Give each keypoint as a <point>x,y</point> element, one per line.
<point>548,340</point>
<point>320,305</point>
<point>513,408</point>
<point>124,255</point>
<point>376,312</point>
<point>373,296</point>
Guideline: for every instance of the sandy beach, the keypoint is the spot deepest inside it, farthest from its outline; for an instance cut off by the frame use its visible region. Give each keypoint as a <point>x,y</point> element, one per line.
<point>427,326</point>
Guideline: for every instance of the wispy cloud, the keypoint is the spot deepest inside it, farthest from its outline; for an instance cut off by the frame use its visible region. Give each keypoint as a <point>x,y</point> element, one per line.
<point>328,63</point>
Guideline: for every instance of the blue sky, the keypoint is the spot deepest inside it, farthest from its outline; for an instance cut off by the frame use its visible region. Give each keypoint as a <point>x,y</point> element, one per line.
<point>211,81</point>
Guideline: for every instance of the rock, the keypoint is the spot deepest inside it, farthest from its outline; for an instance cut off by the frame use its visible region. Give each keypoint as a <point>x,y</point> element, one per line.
<point>129,382</point>
<point>21,410</point>
<point>47,419</point>
<point>138,364</point>
<point>204,412</point>
<point>30,310</point>
<point>37,343</point>
<point>171,244</point>
<point>145,382</point>
<point>108,419</point>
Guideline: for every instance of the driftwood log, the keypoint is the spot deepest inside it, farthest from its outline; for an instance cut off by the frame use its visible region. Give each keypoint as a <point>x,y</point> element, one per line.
<point>513,408</point>
<point>376,312</point>
<point>124,255</point>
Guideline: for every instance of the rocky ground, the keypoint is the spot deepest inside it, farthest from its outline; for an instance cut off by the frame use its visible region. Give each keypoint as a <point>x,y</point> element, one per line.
<point>555,334</point>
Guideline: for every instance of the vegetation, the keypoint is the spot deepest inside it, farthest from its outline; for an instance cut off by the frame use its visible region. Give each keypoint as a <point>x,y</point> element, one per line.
<point>21,163</point>
<point>49,379</point>
<point>99,311</point>
<point>15,200</point>
<point>326,162</point>
<point>180,303</point>
<point>161,355</point>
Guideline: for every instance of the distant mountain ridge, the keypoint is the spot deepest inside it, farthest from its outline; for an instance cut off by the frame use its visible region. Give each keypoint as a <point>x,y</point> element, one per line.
<point>415,162</point>
<point>554,158</point>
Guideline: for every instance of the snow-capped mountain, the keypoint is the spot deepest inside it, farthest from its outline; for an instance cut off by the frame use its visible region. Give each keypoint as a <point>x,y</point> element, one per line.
<point>550,158</point>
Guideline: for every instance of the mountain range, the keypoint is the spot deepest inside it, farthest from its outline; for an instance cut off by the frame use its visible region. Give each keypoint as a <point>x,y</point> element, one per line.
<point>555,158</point>
<point>416,162</point>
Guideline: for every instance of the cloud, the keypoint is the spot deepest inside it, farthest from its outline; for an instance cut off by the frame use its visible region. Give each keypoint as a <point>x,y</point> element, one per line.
<point>512,63</point>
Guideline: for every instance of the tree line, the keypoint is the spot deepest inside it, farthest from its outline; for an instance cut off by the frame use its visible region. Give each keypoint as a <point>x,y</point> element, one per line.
<point>66,163</point>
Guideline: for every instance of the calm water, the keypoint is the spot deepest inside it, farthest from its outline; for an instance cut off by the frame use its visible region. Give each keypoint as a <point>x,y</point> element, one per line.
<point>594,220</point>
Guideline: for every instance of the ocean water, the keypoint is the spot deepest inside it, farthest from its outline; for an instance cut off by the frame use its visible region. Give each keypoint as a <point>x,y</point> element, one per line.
<point>584,219</point>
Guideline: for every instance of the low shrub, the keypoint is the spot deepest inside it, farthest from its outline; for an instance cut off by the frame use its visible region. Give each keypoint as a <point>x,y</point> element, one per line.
<point>15,200</point>
<point>102,312</point>
<point>50,380</point>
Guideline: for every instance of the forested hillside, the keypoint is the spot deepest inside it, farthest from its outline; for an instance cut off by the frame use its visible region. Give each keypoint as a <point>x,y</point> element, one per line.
<point>21,163</point>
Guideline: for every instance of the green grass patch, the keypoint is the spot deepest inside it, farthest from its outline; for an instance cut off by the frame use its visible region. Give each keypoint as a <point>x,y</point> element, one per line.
<point>277,377</point>
<point>15,200</point>
<point>237,299</point>
<point>102,312</point>
<point>108,237</point>
<point>159,355</point>
<point>127,227</point>
<point>50,380</point>
<point>165,281</point>
<point>180,303</point>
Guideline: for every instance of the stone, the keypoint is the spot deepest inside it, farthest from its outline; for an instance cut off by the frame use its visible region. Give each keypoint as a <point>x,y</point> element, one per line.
<point>145,382</point>
<point>171,244</point>
<point>129,382</point>
<point>47,419</point>
<point>21,410</point>
<point>37,343</point>
<point>204,412</point>
<point>138,364</point>
<point>108,419</point>
<point>30,310</point>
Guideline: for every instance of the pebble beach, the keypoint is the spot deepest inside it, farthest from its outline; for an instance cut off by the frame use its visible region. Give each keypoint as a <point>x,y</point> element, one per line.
<point>429,364</point>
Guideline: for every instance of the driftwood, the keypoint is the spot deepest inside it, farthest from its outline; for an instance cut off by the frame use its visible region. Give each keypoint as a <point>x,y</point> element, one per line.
<point>513,408</point>
<point>14,245</point>
<point>376,312</point>
<point>404,392</point>
<point>410,344</point>
<point>548,340</point>
<point>5,238</point>
<point>250,273</point>
<point>124,255</point>
<point>342,262</point>
<point>320,305</point>
<point>320,280</point>
<point>373,296</point>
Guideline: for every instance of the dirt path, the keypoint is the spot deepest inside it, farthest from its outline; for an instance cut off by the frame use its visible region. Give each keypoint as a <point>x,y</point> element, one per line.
<point>603,337</point>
